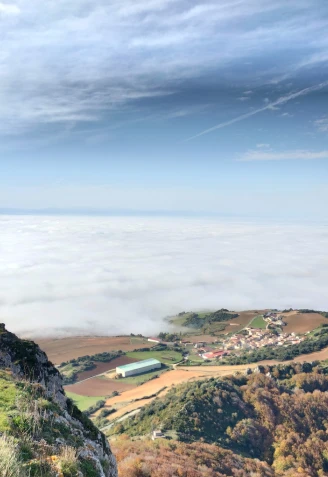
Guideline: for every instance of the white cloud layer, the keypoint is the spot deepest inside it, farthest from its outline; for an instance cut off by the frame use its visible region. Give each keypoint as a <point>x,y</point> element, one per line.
<point>120,275</point>
<point>299,154</point>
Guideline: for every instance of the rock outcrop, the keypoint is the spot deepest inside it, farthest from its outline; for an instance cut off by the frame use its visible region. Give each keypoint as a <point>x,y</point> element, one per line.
<point>41,416</point>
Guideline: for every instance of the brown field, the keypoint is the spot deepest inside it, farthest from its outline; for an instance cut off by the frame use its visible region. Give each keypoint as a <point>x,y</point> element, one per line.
<point>103,367</point>
<point>239,323</point>
<point>302,322</point>
<point>65,349</point>
<point>98,387</point>
<point>170,378</point>
<point>317,355</point>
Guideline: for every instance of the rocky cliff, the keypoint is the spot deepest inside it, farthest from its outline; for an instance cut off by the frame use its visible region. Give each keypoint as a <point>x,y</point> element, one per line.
<point>42,433</point>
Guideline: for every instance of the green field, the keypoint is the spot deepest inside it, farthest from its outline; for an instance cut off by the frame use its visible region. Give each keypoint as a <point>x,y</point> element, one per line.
<point>195,358</point>
<point>83,402</point>
<point>166,356</point>
<point>258,322</point>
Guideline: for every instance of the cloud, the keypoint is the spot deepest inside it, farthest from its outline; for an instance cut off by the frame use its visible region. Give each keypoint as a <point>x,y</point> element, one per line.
<point>263,145</point>
<point>270,106</point>
<point>8,9</point>
<point>112,275</point>
<point>70,62</point>
<point>321,124</point>
<point>301,155</point>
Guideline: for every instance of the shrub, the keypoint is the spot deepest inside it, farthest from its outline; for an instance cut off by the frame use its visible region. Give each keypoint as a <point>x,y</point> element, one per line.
<point>88,469</point>
<point>68,462</point>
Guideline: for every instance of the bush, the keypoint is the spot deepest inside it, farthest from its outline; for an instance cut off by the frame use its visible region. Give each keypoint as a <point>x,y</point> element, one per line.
<point>88,469</point>
<point>68,462</point>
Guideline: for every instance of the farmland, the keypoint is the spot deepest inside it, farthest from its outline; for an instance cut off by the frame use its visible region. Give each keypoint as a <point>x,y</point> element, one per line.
<point>84,402</point>
<point>98,387</point>
<point>303,322</point>
<point>135,391</point>
<point>258,322</point>
<point>167,356</point>
<point>98,368</point>
<point>65,349</point>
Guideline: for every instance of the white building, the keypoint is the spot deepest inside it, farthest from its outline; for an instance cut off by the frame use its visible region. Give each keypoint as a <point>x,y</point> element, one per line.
<point>138,368</point>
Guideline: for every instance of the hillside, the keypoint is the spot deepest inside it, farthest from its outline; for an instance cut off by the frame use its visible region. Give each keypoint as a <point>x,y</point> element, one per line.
<point>42,433</point>
<point>278,414</point>
<point>163,458</point>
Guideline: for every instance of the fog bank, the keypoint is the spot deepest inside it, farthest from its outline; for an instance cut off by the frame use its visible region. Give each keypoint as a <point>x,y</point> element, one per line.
<point>116,275</point>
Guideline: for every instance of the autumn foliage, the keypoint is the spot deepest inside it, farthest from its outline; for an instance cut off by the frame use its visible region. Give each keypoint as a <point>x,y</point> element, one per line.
<point>271,423</point>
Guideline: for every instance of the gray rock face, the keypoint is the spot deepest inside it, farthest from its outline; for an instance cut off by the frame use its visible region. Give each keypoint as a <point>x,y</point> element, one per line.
<point>27,362</point>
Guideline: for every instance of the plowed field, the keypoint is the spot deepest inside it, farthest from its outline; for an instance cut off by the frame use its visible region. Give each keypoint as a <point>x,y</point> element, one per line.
<point>98,387</point>
<point>65,349</point>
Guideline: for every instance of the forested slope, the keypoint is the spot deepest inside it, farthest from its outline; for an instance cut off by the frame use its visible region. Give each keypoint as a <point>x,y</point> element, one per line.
<point>278,415</point>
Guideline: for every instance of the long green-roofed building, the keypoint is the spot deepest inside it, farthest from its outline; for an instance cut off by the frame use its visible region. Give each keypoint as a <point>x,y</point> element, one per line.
<point>138,368</point>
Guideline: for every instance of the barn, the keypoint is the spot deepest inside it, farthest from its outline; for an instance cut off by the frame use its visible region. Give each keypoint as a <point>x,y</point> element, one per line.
<point>139,367</point>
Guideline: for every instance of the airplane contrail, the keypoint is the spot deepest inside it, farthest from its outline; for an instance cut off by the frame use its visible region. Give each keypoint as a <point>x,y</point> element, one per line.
<point>281,100</point>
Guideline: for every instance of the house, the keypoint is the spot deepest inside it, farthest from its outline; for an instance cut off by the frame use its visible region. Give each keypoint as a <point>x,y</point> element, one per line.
<point>157,435</point>
<point>214,354</point>
<point>186,343</point>
<point>199,344</point>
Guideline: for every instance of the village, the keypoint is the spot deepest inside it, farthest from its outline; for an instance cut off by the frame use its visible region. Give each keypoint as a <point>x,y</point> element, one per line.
<point>264,330</point>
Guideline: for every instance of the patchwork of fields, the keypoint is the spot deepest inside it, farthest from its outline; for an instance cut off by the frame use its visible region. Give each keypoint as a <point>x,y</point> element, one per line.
<point>136,391</point>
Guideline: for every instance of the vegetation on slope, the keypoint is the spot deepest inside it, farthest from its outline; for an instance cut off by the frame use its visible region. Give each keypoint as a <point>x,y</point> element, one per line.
<point>306,310</point>
<point>199,320</point>
<point>162,458</point>
<point>42,433</point>
<point>278,415</point>
<point>32,427</point>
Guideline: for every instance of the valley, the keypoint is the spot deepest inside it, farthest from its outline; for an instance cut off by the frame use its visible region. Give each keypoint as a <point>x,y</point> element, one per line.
<point>192,354</point>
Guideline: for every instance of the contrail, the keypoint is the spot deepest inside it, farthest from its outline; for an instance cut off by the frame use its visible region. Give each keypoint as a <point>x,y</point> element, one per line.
<point>281,100</point>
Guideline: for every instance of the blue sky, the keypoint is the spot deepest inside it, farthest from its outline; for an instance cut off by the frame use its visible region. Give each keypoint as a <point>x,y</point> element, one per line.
<point>207,107</point>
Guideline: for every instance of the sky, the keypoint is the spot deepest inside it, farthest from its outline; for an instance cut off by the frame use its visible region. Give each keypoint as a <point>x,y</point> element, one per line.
<point>115,275</point>
<point>166,106</point>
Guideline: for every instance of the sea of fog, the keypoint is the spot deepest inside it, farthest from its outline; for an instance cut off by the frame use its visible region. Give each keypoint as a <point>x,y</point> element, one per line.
<point>115,275</point>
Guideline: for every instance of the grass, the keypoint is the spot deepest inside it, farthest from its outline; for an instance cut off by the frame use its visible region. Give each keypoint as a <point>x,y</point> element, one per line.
<point>8,392</point>
<point>166,357</point>
<point>10,463</point>
<point>84,402</point>
<point>144,377</point>
<point>68,462</point>
<point>258,322</point>
<point>196,358</point>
